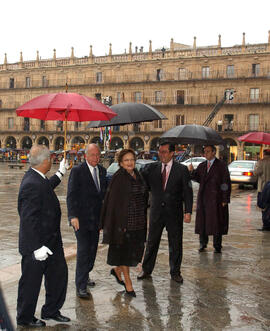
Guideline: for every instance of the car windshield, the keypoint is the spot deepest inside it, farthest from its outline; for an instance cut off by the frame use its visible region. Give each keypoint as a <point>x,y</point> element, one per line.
<point>247,165</point>
<point>113,167</point>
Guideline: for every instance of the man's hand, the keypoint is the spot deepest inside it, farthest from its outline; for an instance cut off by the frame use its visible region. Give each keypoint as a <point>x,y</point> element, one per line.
<point>190,167</point>
<point>187,218</point>
<point>75,223</point>
<point>224,204</point>
<point>42,253</point>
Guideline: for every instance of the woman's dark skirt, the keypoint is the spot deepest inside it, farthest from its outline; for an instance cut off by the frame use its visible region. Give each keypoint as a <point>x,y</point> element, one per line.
<point>129,253</point>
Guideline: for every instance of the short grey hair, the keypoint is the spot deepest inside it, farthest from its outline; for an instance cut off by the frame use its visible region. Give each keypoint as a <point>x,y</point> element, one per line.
<point>38,153</point>
<point>91,146</point>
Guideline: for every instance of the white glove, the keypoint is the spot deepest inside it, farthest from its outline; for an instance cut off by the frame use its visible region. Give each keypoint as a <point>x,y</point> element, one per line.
<point>41,254</point>
<point>63,166</point>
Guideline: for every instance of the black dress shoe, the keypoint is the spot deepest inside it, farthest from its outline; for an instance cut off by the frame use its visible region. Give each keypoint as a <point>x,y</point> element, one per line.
<point>83,294</point>
<point>119,281</point>
<point>217,250</point>
<point>177,278</point>
<point>143,275</point>
<point>58,317</point>
<point>202,248</point>
<point>91,283</point>
<point>35,323</point>
<point>131,293</point>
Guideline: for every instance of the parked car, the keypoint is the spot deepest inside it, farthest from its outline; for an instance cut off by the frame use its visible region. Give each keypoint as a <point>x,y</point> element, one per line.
<point>194,160</point>
<point>242,172</point>
<point>140,164</point>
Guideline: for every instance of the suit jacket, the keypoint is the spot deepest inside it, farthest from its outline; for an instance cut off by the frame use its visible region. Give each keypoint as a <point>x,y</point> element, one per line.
<point>40,213</point>
<point>215,188</point>
<point>178,191</point>
<point>83,199</point>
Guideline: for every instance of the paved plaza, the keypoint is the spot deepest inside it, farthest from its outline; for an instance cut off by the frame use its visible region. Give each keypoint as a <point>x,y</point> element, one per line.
<point>228,291</point>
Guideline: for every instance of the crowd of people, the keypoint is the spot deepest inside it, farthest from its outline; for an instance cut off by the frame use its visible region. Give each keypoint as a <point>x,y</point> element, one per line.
<point>118,210</point>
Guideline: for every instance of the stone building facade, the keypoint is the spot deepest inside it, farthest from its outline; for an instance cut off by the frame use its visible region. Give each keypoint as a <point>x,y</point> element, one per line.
<point>183,82</point>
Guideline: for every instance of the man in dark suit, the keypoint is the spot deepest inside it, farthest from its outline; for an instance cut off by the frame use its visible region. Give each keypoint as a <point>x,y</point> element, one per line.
<point>40,242</point>
<point>212,216</point>
<point>170,185</point>
<point>86,190</point>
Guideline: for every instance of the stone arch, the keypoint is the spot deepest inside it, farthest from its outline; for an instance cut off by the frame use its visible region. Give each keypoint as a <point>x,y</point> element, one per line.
<point>11,142</point>
<point>154,144</point>
<point>96,140</point>
<point>116,143</point>
<point>43,141</point>
<point>137,144</point>
<point>26,142</point>
<point>77,143</point>
<point>59,143</point>
<point>229,151</point>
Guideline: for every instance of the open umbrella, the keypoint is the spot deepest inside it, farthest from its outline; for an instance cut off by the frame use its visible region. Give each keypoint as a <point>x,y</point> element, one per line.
<point>65,107</point>
<point>130,112</point>
<point>192,134</point>
<point>256,137</point>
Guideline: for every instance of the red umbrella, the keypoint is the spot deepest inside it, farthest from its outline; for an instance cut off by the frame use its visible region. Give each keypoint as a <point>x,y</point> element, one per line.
<point>256,138</point>
<point>65,107</point>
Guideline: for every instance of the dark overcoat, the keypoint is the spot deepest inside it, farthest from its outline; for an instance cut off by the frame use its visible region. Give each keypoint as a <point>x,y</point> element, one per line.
<point>84,201</point>
<point>215,188</point>
<point>114,214</point>
<point>40,213</point>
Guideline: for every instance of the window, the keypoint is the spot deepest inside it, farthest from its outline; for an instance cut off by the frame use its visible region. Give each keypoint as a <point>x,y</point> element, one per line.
<point>182,73</point>
<point>253,122</point>
<point>77,125</point>
<point>255,69</point>
<point>228,122</point>
<point>11,82</point>
<point>254,94</point>
<point>27,82</point>
<point>26,124</point>
<point>10,122</point>
<point>230,71</point>
<point>1,103</point>
<point>98,96</point>
<point>158,96</point>
<point>157,124</point>
<point>42,125</point>
<point>59,125</point>
<point>180,97</point>
<point>44,81</point>
<point>116,128</point>
<point>99,77</point>
<point>137,96</point>
<point>136,127</point>
<point>179,120</point>
<point>118,97</point>
<point>159,74</point>
<point>205,72</point>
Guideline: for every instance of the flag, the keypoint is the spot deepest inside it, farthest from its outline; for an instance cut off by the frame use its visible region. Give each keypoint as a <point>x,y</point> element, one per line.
<point>101,135</point>
<point>110,133</point>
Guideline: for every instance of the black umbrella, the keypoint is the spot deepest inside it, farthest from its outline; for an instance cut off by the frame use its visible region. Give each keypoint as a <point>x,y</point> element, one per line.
<point>192,134</point>
<point>128,113</point>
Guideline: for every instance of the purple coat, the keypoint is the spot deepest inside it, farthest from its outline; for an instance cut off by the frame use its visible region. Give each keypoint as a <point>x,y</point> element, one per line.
<point>215,188</point>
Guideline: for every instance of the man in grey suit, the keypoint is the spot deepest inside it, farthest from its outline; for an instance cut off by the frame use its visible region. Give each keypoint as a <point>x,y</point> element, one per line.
<point>86,190</point>
<point>169,183</point>
<point>40,242</point>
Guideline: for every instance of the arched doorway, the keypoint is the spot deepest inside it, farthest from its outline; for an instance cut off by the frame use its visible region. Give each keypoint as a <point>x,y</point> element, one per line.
<point>26,143</point>
<point>137,144</point>
<point>154,145</point>
<point>252,151</point>
<point>96,140</point>
<point>43,141</point>
<point>116,143</point>
<point>77,143</point>
<point>11,142</point>
<point>59,143</point>
<point>229,151</point>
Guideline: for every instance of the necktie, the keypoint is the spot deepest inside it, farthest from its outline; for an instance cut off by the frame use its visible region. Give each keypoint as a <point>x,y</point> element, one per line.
<point>208,165</point>
<point>164,177</point>
<point>95,178</point>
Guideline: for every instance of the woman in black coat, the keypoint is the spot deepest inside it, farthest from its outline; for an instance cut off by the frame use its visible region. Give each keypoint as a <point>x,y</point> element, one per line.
<point>123,219</point>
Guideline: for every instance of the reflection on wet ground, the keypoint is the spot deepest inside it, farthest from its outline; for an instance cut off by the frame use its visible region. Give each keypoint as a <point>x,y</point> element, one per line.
<point>228,291</point>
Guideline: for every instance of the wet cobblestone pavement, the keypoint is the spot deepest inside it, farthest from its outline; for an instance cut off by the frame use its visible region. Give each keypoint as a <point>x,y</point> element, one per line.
<point>228,291</point>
